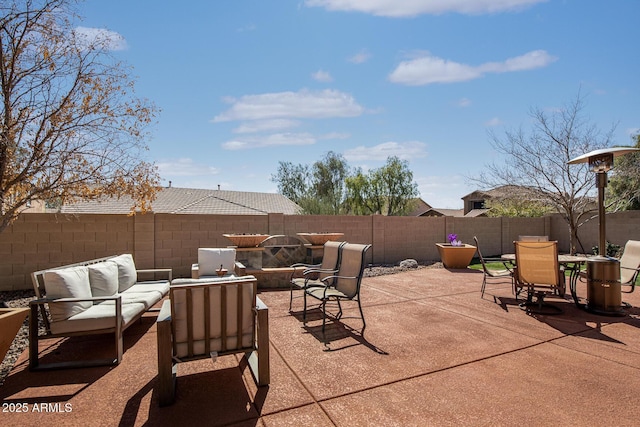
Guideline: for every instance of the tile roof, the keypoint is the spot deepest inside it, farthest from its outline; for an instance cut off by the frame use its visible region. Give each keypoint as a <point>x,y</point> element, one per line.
<point>195,201</point>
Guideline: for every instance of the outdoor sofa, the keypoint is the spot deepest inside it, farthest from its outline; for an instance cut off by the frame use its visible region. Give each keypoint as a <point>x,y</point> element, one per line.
<point>92,297</point>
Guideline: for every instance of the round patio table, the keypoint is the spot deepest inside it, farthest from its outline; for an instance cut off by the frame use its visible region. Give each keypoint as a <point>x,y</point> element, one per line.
<point>571,263</point>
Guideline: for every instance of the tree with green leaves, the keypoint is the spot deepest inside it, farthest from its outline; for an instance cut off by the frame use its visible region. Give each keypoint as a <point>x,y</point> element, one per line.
<point>70,124</point>
<point>624,182</point>
<point>327,187</point>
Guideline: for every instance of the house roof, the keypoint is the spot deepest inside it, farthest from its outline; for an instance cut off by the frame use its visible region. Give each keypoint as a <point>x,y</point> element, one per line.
<point>195,201</point>
<point>502,192</point>
<point>421,207</point>
<point>443,212</point>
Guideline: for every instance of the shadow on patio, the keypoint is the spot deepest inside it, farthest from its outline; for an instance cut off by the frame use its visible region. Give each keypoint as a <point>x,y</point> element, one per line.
<point>433,353</point>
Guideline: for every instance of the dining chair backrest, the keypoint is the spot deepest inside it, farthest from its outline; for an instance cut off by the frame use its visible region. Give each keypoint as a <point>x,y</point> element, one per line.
<point>629,261</point>
<point>351,269</point>
<point>538,262</point>
<point>330,258</point>
<point>484,267</point>
<point>533,238</point>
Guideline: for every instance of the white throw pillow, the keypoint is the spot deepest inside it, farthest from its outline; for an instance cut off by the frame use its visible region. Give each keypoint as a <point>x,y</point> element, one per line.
<point>103,278</point>
<point>70,282</point>
<point>127,275</point>
<point>210,260</point>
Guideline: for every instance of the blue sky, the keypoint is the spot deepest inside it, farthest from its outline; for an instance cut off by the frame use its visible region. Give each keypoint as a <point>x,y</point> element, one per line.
<point>244,84</point>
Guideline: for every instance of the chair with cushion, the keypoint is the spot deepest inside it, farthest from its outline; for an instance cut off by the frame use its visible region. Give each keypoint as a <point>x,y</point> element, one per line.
<point>313,274</point>
<point>212,261</point>
<point>539,273</point>
<point>630,264</point>
<point>344,285</point>
<point>202,320</point>
<point>496,276</point>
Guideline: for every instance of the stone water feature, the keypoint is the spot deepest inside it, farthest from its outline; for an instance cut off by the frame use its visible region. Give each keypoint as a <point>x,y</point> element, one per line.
<point>269,257</point>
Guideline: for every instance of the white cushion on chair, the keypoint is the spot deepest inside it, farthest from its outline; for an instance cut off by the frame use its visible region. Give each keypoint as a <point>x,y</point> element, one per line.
<point>103,278</point>
<point>71,282</point>
<point>210,260</point>
<point>127,275</point>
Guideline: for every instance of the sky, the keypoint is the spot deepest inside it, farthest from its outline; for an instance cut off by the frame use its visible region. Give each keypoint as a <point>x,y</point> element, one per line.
<point>242,85</point>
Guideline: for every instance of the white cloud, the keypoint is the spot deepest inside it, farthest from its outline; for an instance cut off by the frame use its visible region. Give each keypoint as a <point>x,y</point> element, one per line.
<point>266,125</point>
<point>106,39</point>
<point>334,135</point>
<point>322,76</point>
<point>406,8</point>
<point>493,122</point>
<point>633,131</point>
<point>403,150</point>
<point>185,167</point>
<point>302,104</point>
<point>276,139</point>
<point>360,57</point>
<point>429,69</point>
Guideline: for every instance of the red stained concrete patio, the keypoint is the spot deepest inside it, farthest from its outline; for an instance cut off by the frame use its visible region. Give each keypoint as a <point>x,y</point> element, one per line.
<point>434,353</point>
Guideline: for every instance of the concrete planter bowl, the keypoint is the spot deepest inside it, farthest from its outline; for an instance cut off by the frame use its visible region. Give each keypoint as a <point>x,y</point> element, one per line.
<point>246,240</point>
<point>319,239</point>
<point>456,256</point>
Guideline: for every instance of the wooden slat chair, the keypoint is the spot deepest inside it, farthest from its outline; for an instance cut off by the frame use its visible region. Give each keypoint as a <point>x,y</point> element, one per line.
<point>202,320</point>
<point>344,285</point>
<point>538,271</point>
<point>314,274</point>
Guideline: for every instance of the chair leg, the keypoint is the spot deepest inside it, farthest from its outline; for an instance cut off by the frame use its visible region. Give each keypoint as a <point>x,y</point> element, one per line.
<point>364,324</point>
<point>324,318</point>
<point>259,359</point>
<point>304,310</point>
<point>166,370</point>
<point>484,284</point>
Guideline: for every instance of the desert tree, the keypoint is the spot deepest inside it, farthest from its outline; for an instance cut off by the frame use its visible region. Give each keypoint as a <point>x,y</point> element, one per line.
<point>537,160</point>
<point>71,126</point>
<point>624,182</point>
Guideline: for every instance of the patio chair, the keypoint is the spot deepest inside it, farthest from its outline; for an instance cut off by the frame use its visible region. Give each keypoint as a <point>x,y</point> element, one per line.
<point>345,285</point>
<point>539,273</point>
<point>630,264</point>
<point>202,320</point>
<point>491,274</point>
<point>313,274</point>
<point>213,260</point>
<point>533,238</point>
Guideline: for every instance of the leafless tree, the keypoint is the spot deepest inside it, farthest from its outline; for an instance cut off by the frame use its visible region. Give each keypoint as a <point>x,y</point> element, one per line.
<point>70,125</point>
<point>538,160</point>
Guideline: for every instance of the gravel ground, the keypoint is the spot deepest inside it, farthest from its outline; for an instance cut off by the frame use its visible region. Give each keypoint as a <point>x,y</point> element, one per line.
<point>22,298</point>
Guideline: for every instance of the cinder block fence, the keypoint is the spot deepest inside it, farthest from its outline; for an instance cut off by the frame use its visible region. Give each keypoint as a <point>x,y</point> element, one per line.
<point>39,241</point>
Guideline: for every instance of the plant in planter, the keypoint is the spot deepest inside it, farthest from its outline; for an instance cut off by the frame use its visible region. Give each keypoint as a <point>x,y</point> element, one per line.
<point>455,254</point>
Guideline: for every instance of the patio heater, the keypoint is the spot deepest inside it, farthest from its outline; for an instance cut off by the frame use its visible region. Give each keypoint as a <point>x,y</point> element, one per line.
<point>604,294</point>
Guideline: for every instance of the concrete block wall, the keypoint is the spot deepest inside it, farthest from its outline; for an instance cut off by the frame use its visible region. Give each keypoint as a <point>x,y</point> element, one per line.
<point>38,241</point>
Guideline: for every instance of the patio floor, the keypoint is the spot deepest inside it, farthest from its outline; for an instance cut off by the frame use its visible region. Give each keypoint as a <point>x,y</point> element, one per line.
<point>434,353</point>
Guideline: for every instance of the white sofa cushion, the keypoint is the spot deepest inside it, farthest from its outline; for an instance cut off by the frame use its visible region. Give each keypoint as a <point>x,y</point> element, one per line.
<point>127,275</point>
<point>103,278</point>
<point>210,260</point>
<point>70,282</point>
<point>157,286</point>
<point>99,316</point>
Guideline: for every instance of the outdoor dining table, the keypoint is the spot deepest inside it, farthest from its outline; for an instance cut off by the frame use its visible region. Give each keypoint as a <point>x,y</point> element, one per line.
<point>571,263</point>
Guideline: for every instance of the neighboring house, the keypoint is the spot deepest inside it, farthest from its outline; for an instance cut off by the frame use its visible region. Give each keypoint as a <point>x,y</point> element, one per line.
<point>474,203</point>
<point>194,201</point>
<point>444,212</point>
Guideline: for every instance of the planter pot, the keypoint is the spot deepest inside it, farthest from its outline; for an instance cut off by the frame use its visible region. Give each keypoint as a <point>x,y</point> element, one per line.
<point>319,239</point>
<point>456,256</point>
<point>246,240</point>
<point>10,321</point>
